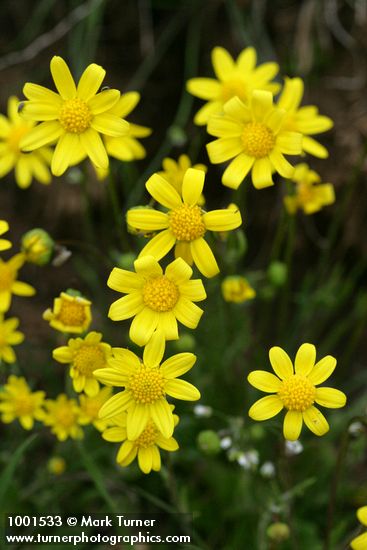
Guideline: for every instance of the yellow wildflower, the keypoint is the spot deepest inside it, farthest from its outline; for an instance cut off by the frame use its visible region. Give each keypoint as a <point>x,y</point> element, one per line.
<point>90,407</point>
<point>185,223</point>
<point>17,401</point>
<point>305,120</point>
<point>62,416</point>
<point>37,246</point>
<point>9,284</point>
<point>237,289</point>
<point>9,337</point>
<point>145,447</point>
<point>146,384</point>
<point>174,172</point>
<point>234,78</point>
<point>254,137</point>
<point>56,465</point>
<point>69,313</point>
<point>84,356</point>
<point>74,118</point>
<point>295,389</point>
<point>4,244</point>
<point>155,299</point>
<point>26,165</point>
<point>310,195</point>
<point>360,542</point>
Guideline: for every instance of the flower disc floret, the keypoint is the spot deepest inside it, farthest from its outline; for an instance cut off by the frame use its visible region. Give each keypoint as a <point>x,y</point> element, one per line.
<point>297,393</point>
<point>258,140</point>
<point>160,294</point>
<point>148,437</point>
<point>186,223</point>
<point>75,116</point>
<point>89,358</point>
<point>146,385</point>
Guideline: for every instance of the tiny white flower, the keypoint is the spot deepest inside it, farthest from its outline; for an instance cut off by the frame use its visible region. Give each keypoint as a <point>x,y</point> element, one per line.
<point>226,442</point>
<point>267,470</point>
<point>293,447</point>
<point>203,411</point>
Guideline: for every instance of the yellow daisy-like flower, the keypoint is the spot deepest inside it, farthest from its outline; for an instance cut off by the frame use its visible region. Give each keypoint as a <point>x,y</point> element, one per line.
<point>185,223</point>
<point>174,172</point>
<point>146,384</point>
<point>90,407</point>
<point>17,401</point>
<point>237,289</point>
<point>145,447</point>
<point>234,78</point>
<point>9,284</point>
<point>9,337</point>
<point>310,195</point>
<point>4,244</point>
<point>84,356</point>
<point>26,165</point>
<point>305,120</point>
<point>295,390</point>
<point>75,118</point>
<point>155,299</point>
<point>360,542</point>
<point>69,314</point>
<point>62,416</point>
<point>56,465</point>
<point>254,137</point>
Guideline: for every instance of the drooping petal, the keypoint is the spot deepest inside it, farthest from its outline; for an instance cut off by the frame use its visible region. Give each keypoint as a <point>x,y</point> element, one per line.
<point>162,417</point>
<point>281,363</point>
<point>264,381</point>
<point>183,250</point>
<point>93,145</point>
<point>63,153</point>
<point>167,325</point>
<point>204,258</point>
<point>61,74</point>
<point>280,163</point>
<point>315,421</point>
<point>330,397</point>
<point>292,425</point>
<point>145,459</point>
<point>261,173</point>
<point>305,359</point>
<point>136,421</point>
<point>143,326</point>
<point>159,245</point>
<point>266,407</point>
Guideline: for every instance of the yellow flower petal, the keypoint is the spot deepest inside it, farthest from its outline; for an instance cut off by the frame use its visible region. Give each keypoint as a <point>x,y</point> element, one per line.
<point>266,407</point>
<point>63,354</point>
<point>159,245</point>
<point>236,109</point>
<point>315,421</point>
<point>262,104</point>
<point>110,125</point>
<point>41,135</point>
<point>169,444</point>
<point>261,173</point>
<point>314,148</point>
<point>115,405</point>
<point>90,81</point>
<point>224,149</point>
<point>223,63</point>
<point>203,114</point>
<point>147,266</point>
<point>330,397</point>
<point>126,307</point>
<point>220,126</point>
<point>61,74</point>
<point>145,459</point>
<point>360,542</point>
<point>35,92</point>
<point>237,170</point>
<point>23,174</point>
<point>222,220</point>
<point>305,359</point>
<point>281,165</point>
<point>204,258</point>
<point>289,143</point>
<point>246,61</point>
<point>111,377</point>
<point>103,101</point>
<point>37,110</point>
<point>163,192</point>
<point>23,289</point>
<point>192,186</point>
<point>322,370</point>
<point>178,271</point>
<point>280,362</point>
<point>137,418</point>
<point>167,324</point>
<point>124,281</point>
<point>292,425</point>
<point>63,153</point>
<point>183,250</point>
<point>362,515</point>
<point>162,417</point>
<point>193,290</point>
<point>187,313</point>
<point>205,88</point>
<point>93,145</point>
<point>180,389</point>
<point>178,364</point>
<point>143,326</point>
<point>147,219</point>
<point>264,381</point>
<point>292,94</point>
<point>154,350</point>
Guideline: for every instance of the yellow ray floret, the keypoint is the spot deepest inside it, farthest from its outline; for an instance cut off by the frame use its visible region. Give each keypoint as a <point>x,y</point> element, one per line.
<point>9,336</point>
<point>74,118</point>
<point>234,78</point>
<point>185,224</point>
<point>360,542</point>
<point>26,165</point>
<point>69,313</point>
<point>174,172</point>
<point>62,416</point>
<point>9,284</point>
<point>17,401</point>
<point>90,407</point>
<point>295,390</point>
<point>146,384</point>
<point>309,194</point>
<point>255,138</point>
<point>145,447</point>
<point>84,356</point>
<point>156,299</point>
<point>237,289</point>
<point>305,120</point>
<point>4,243</point>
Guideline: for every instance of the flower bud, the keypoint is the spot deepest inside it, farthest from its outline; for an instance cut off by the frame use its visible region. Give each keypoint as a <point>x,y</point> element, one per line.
<point>37,246</point>
<point>278,531</point>
<point>208,441</point>
<point>277,273</point>
<point>56,465</point>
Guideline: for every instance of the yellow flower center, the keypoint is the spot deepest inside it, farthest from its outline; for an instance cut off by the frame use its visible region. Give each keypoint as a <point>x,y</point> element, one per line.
<point>257,139</point>
<point>160,294</point>
<point>305,192</point>
<point>23,404</point>
<point>65,416</point>
<point>91,407</point>
<point>146,385</point>
<point>75,116</point>
<point>88,358</point>
<point>72,314</point>
<point>6,277</point>
<point>297,393</point>
<point>186,223</point>
<point>232,88</point>
<point>148,437</point>
<point>15,135</point>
